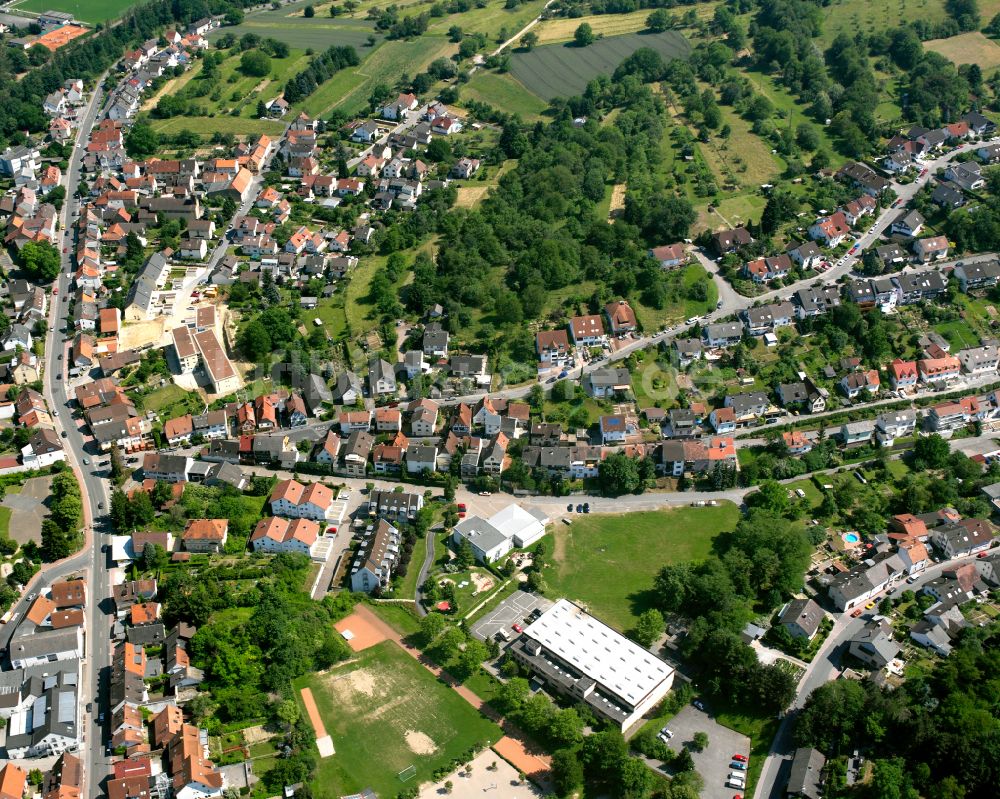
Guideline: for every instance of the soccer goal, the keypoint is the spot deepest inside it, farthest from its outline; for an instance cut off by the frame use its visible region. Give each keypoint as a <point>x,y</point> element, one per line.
<point>407,773</point>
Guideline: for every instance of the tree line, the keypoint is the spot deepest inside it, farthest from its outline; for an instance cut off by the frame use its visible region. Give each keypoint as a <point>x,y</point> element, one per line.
<point>320,69</point>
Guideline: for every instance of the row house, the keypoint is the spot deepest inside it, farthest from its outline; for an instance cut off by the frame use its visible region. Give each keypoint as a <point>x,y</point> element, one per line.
<point>977,276</point>
<point>980,360</point>
<point>573,462</point>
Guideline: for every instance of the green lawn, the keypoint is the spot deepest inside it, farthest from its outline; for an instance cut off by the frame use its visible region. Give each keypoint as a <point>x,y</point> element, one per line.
<point>958,334</point>
<point>170,400</point>
<point>4,521</point>
<point>206,126</point>
<point>609,561</point>
<point>93,11</point>
<point>385,712</point>
<point>505,92</point>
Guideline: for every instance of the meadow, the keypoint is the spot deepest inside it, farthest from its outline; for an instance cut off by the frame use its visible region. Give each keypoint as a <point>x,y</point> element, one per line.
<point>633,548</point>
<point>386,712</point>
<point>299,32</point>
<point>504,91</point>
<point>558,70</point>
<point>968,48</point>
<point>92,11</point>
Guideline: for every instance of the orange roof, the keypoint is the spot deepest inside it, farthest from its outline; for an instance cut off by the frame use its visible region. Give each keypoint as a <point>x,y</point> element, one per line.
<point>109,320</point>
<point>13,781</point>
<point>145,613</point>
<point>290,490</point>
<point>242,180</point>
<point>909,524</point>
<point>40,610</point>
<point>167,725</point>
<point>206,529</point>
<point>135,660</point>
<point>722,449</point>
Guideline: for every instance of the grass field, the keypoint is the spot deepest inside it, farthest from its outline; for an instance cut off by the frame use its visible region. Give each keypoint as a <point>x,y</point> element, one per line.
<point>489,20</point>
<point>92,11</point>
<point>318,33</point>
<point>860,16</point>
<point>609,561</point>
<point>506,92</point>
<point>968,48</point>
<point>385,712</point>
<point>206,126</point>
<point>4,521</point>
<point>350,88</point>
<point>557,70</point>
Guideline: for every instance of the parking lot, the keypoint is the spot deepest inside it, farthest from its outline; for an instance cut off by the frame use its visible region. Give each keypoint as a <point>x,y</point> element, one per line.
<point>713,762</point>
<point>515,609</point>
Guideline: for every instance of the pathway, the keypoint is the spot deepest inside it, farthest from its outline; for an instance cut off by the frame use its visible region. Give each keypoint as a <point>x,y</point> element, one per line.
<point>323,741</point>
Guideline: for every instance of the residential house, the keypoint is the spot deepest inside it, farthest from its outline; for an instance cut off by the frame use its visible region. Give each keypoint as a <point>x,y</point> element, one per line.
<point>670,255</point>
<point>831,230</point>
<point>934,248</point>
<point>978,275</point>
<point>205,535</point>
<point>854,383</point>
<point>274,534</point>
<point>587,330</point>
<point>801,618</point>
<point>722,334</point>
<point>894,424</point>
<point>610,381</point>
<point>621,317</point>
<point>874,645</point>
<point>939,370</point>
<point>764,270</point>
<point>303,501</point>
<point>727,241</point>
<point>908,223</point>
<point>553,348</point>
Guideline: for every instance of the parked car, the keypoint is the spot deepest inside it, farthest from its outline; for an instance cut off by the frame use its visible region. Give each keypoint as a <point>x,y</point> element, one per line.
<point>740,758</point>
<point>698,704</point>
<point>569,508</point>
<point>856,613</point>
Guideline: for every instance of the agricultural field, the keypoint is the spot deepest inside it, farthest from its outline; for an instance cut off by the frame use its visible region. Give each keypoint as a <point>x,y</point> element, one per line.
<point>968,48</point>
<point>491,20</point>
<point>633,547</point>
<point>558,70</point>
<point>385,712</point>
<point>92,11</point>
<point>504,91</point>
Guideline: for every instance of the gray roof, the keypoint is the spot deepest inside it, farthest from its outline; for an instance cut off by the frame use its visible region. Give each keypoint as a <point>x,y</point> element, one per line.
<point>141,292</point>
<point>610,376</point>
<point>40,643</point>
<point>480,532</point>
<point>804,612</point>
<point>806,775</point>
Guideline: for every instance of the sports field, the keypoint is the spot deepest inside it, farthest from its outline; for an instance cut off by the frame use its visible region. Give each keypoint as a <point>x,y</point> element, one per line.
<point>92,11</point>
<point>559,70</point>
<point>386,712</point>
<point>609,561</point>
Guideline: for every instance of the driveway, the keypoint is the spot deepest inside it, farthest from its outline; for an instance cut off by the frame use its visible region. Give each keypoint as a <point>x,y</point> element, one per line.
<point>713,762</point>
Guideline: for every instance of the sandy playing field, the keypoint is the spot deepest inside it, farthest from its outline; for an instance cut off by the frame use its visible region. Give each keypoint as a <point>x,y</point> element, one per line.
<point>363,633</point>
<point>323,741</point>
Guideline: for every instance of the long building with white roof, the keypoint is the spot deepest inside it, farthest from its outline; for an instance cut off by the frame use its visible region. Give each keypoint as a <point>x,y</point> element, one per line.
<point>585,659</point>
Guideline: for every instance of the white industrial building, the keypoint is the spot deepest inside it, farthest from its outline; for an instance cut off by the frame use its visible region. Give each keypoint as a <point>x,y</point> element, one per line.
<point>578,656</point>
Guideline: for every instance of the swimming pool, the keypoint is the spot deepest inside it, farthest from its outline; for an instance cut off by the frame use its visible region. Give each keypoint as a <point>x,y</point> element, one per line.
<point>851,538</point>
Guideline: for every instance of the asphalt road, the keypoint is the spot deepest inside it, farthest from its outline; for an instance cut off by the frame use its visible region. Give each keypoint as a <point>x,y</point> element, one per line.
<point>97,662</point>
